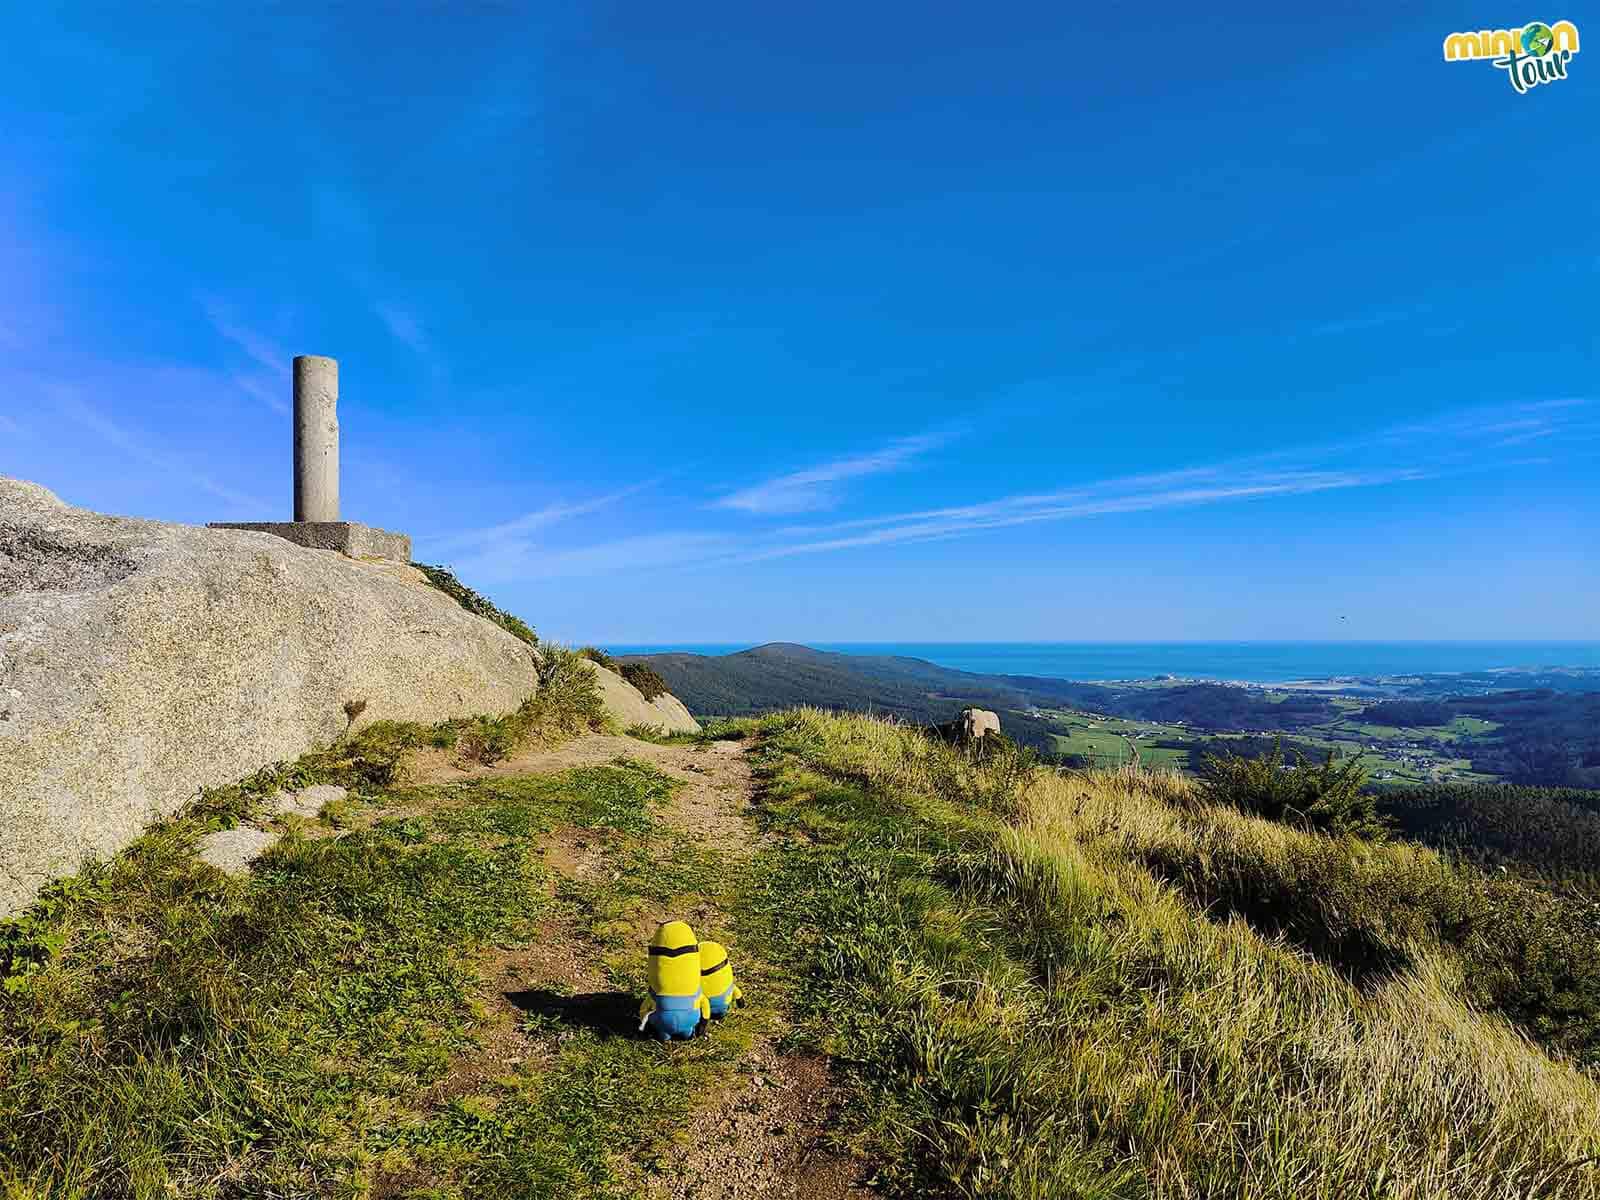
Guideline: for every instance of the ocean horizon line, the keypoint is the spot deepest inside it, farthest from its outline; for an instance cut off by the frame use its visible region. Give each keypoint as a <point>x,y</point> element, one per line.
<point>1262,662</point>
<point>753,643</point>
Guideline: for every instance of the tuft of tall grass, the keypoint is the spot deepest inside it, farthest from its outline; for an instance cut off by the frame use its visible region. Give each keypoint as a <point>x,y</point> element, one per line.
<point>565,704</point>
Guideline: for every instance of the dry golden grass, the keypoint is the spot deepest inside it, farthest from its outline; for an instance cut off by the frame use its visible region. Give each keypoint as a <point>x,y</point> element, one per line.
<point>1097,1003</point>
<point>1310,1082</point>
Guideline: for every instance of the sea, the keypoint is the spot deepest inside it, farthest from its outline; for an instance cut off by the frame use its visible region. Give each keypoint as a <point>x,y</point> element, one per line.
<point>1252,662</point>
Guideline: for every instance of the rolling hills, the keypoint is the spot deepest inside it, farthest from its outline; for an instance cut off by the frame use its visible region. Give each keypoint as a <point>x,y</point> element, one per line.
<point>781,675</point>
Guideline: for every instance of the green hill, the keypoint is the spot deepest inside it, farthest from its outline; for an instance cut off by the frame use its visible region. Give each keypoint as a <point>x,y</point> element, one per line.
<point>782,675</point>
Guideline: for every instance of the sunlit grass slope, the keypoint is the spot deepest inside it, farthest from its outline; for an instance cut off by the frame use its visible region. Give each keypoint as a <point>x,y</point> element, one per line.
<point>1097,985</point>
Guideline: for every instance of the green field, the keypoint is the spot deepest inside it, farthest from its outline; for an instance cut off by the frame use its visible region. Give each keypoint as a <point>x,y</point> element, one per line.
<point>1402,756</point>
<point>1106,739</point>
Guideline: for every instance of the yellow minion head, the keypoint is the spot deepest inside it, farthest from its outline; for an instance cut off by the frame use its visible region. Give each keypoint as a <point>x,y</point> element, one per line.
<point>674,965</point>
<point>716,972</point>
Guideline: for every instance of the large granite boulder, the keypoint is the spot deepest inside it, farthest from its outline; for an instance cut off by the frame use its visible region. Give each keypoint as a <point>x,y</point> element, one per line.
<point>973,723</point>
<point>626,704</point>
<point>140,661</point>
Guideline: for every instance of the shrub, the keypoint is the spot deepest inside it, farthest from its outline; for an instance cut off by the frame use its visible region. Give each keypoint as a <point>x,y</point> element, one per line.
<point>596,655</point>
<point>1326,797</point>
<point>643,677</point>
<point>475,604</point>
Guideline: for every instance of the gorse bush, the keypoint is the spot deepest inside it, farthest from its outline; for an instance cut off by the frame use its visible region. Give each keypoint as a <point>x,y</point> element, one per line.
<point>569,688</point>
<point>565,704</point>
<point>596,655</point>
<point>643,677</point>
<point>1328,797</point>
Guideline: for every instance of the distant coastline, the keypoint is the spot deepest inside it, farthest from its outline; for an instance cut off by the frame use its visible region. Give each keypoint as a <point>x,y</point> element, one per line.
<point>1281,664</point>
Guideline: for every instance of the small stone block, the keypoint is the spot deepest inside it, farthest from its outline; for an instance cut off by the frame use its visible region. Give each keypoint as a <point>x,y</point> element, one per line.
<point>233,850</point>
<point>307,802</point>
<point>347,537</point>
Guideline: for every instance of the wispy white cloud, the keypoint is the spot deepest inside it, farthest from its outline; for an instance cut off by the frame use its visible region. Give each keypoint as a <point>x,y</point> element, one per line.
<point>1372,320</point>
<point>815,487</point>
<point>519,528</point>
<point>524,559</point>
<point>1458,442</point>
<point>1450,445</point>
<point>1214,485</point>
<point>407,329</point>
<point>1471,431</point>
<point>269,393</point>
<point>76,409</point>
<point>404,327</point>
<point>514,550</point>
<point>257,348</point>
<point>270,383</point>
<point>1455,444</point>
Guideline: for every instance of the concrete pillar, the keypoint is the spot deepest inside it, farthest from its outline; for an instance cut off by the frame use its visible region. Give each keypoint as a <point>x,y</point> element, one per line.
<point>316,438</point>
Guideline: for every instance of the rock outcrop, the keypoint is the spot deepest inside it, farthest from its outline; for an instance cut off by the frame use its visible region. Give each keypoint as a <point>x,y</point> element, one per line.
<point>140,661</point>
<point>628,707</point>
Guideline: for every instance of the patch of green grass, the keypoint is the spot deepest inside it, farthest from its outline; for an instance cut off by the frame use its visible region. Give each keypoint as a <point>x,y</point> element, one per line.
<point>373,757</point>
<point>558,1132</point>
<point>619,796</point>
<point>169,1030</point>
<point>723,729</point>
<point>189,1027</point>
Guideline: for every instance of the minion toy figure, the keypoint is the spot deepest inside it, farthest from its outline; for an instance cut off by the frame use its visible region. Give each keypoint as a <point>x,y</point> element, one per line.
<point>676,1004</point>
<point>716,979</point>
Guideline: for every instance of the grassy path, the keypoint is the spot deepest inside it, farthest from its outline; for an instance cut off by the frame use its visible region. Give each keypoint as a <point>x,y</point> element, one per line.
<point>429,991</point>
<point>755,1120</point>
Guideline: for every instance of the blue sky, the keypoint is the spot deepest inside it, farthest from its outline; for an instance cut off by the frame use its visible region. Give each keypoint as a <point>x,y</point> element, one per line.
<point>834,322</point>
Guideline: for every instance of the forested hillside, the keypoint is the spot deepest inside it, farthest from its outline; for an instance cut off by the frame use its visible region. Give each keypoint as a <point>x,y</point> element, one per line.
<point>782,675</point>
<point>1553,833</point>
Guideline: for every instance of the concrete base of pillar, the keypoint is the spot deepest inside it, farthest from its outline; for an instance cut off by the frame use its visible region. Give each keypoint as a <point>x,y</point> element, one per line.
<point>347,537</point>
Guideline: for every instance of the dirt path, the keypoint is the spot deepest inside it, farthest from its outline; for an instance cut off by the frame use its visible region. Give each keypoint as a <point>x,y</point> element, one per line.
<point>761,1136</point>
<point>710,808</point>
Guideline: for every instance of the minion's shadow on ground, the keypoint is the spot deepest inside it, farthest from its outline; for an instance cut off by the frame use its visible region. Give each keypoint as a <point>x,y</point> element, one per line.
<point>610,1014</point>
